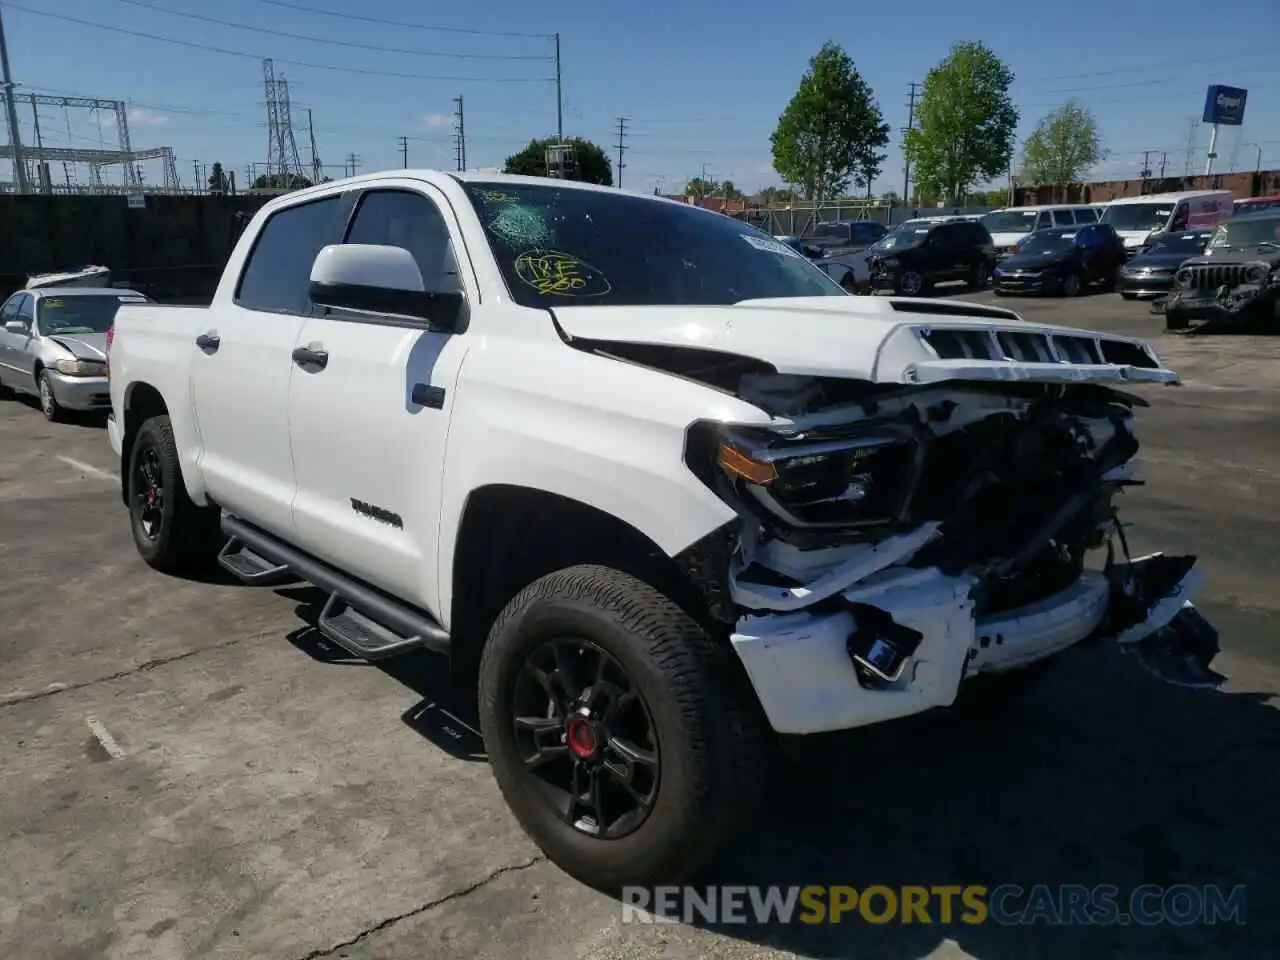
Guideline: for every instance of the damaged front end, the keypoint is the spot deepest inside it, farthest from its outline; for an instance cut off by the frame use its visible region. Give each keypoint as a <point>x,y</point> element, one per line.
<point>1218,295</point>
<point>893,542</point>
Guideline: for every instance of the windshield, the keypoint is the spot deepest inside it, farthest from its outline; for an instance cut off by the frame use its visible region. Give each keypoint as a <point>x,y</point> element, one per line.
<point>91,313</point>
<point>1138,216</point>
<point>1049,241</point>
<point>1189,243</point>
<point>1249,232</point>
<point>1010,221</point>
<point>566,246</point>
<point>904,238</point>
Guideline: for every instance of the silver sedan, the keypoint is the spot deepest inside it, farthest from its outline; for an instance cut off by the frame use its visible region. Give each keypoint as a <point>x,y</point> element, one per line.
<point>53,345</point>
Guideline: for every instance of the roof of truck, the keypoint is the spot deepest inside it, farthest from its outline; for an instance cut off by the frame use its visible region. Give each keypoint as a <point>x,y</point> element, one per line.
<point>43,292</point>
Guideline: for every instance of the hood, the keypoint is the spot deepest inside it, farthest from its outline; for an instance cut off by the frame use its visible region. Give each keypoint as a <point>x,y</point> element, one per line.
<point>885,340</point>
<point>1159,260</point>
<point>82,346</point>
<point>1038,261</point>
<point>1245,253</point>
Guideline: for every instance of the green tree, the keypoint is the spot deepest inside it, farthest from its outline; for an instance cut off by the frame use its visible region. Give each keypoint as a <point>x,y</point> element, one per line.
<point>219,182</point>
<point>280,181</point>
<point>593,164</point>
<point>832,131</point>
<point>966,123</point>
<point>699,188</point>
<point>727,190</point>
<point>777,195</point>
<point>1063,148</point>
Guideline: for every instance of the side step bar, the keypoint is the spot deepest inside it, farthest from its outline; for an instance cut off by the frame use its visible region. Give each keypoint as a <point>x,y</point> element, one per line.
<point>362,620</point>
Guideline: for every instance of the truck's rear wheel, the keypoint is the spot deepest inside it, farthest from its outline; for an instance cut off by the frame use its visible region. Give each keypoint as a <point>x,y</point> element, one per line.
<point>616,730</point>
<point>171,533</point>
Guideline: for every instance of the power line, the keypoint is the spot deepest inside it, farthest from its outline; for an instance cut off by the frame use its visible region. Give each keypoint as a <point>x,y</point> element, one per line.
<point>400,23</point>
<point>254,56</point>
<point>336,43</point>
<point>1164,59</point>
<point>622,147</point>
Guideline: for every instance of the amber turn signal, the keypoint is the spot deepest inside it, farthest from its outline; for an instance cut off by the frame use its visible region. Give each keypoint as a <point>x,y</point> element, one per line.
<point>753,471</point>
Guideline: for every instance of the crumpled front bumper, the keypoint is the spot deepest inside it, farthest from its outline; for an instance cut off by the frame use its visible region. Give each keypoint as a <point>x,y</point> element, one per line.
<point>801,661</point>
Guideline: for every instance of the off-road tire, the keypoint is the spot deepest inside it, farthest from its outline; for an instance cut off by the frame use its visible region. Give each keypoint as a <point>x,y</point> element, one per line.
<point>189,536</point>
<point>1080,285</point>
<point>994,693</point>
<point>979,277</point>
<point>710,733</point>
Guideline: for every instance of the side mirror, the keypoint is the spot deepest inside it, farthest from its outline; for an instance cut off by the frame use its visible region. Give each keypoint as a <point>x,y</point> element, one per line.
<point>371,278</point>
<point>14,326</point>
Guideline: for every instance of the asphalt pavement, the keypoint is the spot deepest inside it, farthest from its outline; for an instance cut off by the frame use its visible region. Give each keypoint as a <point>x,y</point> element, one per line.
<point>189,772</point>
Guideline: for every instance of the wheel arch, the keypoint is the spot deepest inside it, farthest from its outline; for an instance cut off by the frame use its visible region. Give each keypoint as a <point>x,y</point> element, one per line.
<point>142,401</point>
<point>511,535</point>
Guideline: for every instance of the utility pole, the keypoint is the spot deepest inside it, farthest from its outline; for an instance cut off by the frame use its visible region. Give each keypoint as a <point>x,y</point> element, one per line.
<point>906,164</point>
<point>559,96</point>
<point>1146,169</point>
<point>15,141</point>
<point>459,135</point>
<point>353,163</point>
<point>404,152</point>
<point>622,146</point>
<point>195,167</point>
<point>1191,147</point>
<point>1164,161</point>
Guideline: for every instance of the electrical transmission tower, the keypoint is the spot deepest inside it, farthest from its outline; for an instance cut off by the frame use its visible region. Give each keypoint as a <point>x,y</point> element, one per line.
<point>1191,147</point>
<point>622,146</point>
<point>317,168</point>
<point>459,135</point>
<point>283,162</point>
<point>906,164</point>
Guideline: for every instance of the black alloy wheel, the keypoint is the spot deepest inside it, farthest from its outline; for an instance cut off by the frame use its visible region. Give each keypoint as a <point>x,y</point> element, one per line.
<point>148,493</point>
<point>587,738</point>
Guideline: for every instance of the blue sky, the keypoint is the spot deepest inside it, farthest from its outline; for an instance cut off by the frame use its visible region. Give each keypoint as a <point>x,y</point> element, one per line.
<point>701,83</point>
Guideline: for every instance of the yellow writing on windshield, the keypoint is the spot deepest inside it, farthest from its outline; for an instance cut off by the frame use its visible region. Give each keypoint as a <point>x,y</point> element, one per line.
<point>558,274</point>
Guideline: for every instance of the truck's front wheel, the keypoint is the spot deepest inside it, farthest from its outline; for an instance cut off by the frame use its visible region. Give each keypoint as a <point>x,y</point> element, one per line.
<point>616,730</point>
<point>171,533</point>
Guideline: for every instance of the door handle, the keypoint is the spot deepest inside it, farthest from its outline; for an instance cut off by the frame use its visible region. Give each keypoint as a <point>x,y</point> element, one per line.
<point>312,355</point>
<point>209,342</point>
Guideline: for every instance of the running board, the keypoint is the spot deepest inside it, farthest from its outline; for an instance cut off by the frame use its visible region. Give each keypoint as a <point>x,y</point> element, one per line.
<point>253,568</point>
<point>362,620</point>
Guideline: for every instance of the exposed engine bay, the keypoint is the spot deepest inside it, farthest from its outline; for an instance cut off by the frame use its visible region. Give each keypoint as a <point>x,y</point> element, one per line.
<point>929,534</point>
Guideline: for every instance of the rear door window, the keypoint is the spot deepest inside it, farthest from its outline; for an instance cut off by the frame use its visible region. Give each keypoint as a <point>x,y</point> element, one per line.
<point>1086,215</point>
<point>1064,218</point>
<point>277,277</point>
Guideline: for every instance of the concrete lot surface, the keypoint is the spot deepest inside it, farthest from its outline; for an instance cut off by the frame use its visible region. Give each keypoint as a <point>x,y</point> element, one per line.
<point>189,773</point>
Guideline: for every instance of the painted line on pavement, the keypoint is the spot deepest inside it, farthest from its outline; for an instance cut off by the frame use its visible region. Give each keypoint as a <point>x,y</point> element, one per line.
<point>89,469</point>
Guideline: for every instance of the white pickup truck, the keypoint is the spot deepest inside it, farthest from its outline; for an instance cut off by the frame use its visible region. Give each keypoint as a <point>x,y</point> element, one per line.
<point>657,486</point>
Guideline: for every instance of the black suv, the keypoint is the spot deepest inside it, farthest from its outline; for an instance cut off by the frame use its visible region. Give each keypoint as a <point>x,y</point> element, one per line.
<point>914,258</point>
<point>1235,282</point>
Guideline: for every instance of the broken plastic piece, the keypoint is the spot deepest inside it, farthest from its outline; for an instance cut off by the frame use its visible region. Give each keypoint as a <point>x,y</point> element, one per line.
<point>1180,652</point>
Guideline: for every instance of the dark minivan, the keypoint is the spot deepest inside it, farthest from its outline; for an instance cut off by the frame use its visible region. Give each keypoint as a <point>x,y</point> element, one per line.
<point>914,258</point>
<point>1063,260</point>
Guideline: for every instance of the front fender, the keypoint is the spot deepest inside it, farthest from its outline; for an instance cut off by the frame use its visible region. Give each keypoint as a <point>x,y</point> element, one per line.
<point>598,431</point>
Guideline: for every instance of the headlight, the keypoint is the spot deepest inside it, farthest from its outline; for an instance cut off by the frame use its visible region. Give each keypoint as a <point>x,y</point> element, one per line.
<point>810,482</point>
<point>80,368</point>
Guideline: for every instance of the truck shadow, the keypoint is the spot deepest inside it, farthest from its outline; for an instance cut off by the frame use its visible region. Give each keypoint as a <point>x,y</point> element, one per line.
<point>441,716</point>
<point>1101,775</point>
